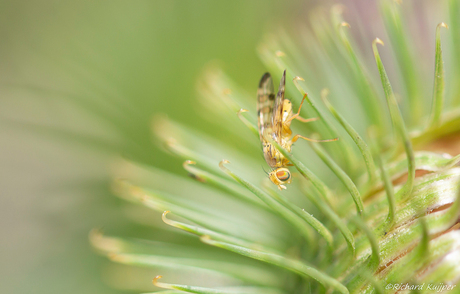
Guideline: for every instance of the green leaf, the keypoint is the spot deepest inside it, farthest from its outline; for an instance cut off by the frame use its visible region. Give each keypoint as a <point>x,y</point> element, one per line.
<point>446,260</point>
<point>204,290</point>
<point>367,93</point>
<point>403,48</point>
<point>182,141</point>
<point>362,146</point>
<point>246,273</point>
<point>439,248</point>
<point>450,124</point>
<point>222,184</point>
<point>297,221</point>
<point>432,192</point>
<point>372,262</point>
<point>389,192</point>
<point>398,121</point>
<point>216,235</point>
<point>343,177</point>
<point>438,87</point>
<point>293,265</point>
<point>160,202</point>
<point>336,220</point>
<point>424,160</point>
<point>387,184</point>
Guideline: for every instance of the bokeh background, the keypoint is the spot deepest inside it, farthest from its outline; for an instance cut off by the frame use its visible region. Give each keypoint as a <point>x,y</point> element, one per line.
<point>81,81</point>
<point>79,84</point>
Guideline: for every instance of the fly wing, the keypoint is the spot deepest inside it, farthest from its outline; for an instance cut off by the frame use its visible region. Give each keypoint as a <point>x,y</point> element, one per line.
<point>277,117</point>
<point>265,107</point>
<point>265,103</point>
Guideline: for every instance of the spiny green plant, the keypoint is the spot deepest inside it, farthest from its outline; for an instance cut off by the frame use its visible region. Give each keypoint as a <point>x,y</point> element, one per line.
<point>375,212</point>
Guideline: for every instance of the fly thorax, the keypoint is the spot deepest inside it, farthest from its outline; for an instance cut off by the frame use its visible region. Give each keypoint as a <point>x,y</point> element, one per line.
<point>287,110</point>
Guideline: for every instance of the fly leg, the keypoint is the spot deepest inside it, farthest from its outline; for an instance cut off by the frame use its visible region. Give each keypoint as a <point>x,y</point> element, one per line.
<point>296,137</point>
<point>297,115</point>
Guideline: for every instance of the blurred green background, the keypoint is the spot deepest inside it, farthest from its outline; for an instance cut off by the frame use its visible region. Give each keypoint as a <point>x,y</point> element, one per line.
<point>79,83</point>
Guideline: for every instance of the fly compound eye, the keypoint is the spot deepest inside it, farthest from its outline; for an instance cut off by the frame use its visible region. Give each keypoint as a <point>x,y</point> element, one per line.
<point>283,175</point>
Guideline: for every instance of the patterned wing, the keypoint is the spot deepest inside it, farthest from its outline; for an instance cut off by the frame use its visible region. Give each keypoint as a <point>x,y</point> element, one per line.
<point>265,103</point>
<point>277,117</point>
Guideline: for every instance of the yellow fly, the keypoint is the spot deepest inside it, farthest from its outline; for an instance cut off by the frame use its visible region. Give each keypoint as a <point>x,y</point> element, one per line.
<point>274,119</point>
